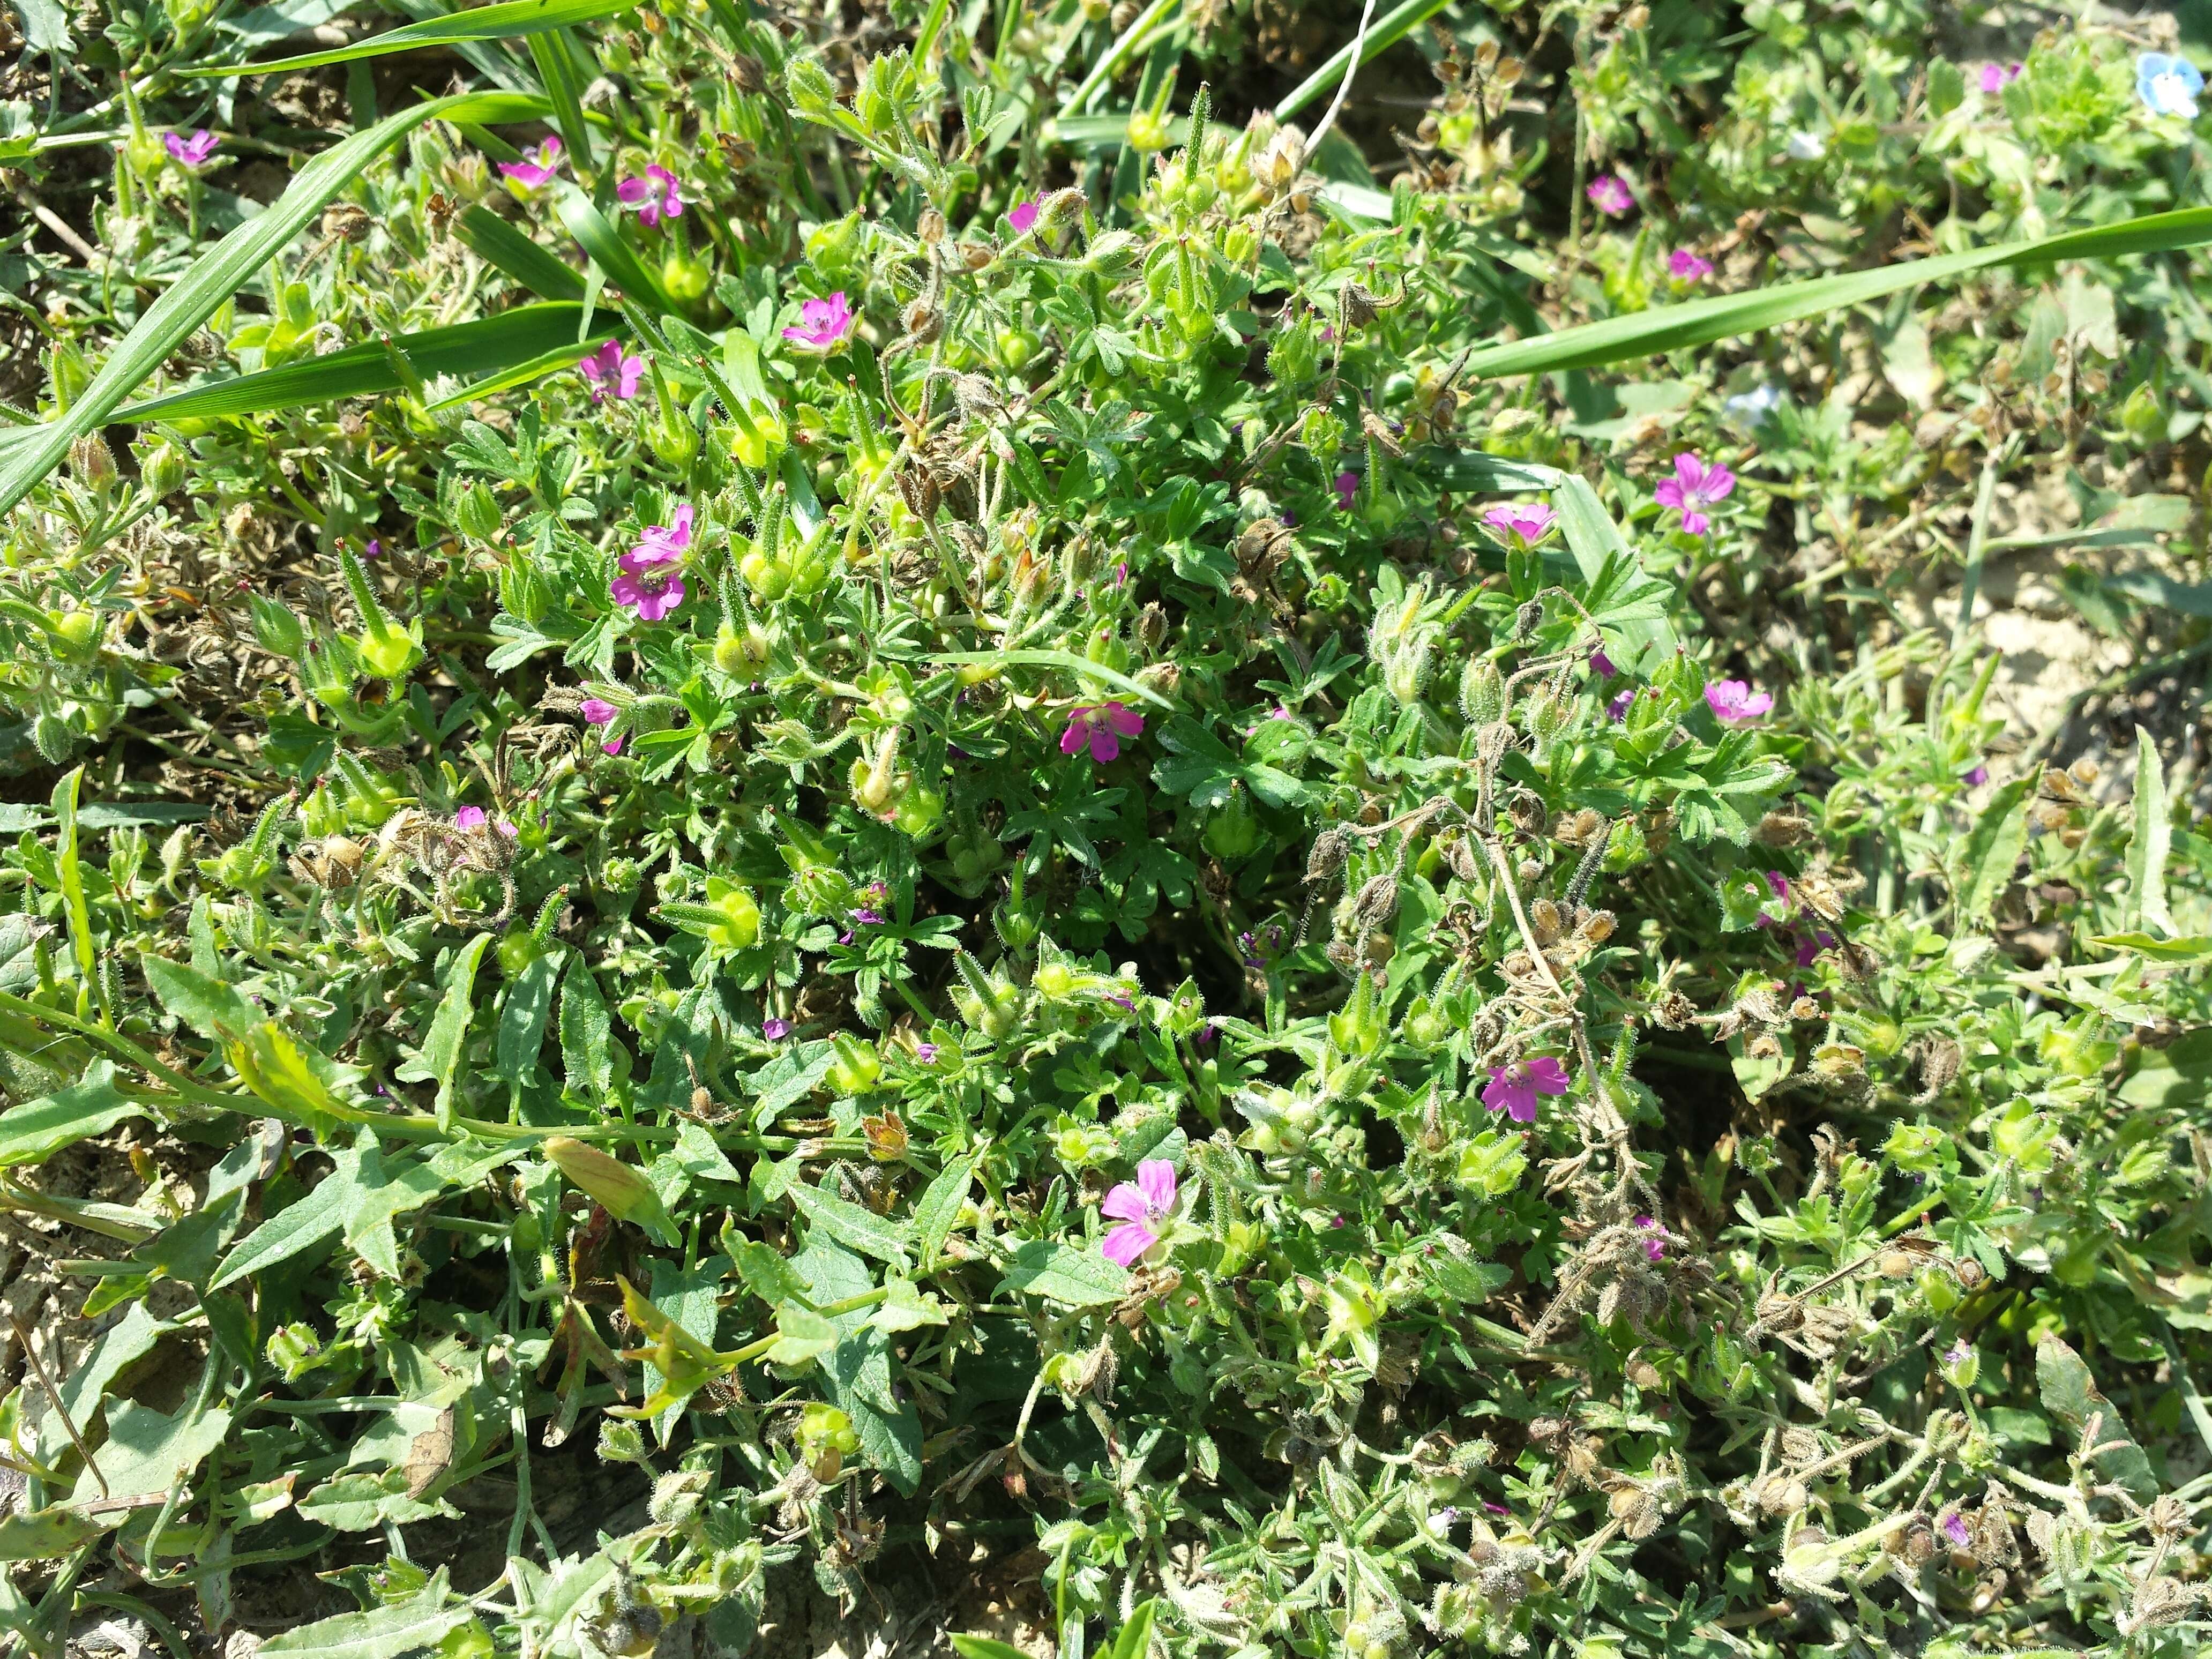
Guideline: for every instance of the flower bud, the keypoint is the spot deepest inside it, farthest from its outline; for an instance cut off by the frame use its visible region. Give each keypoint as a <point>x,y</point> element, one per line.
<point>161,469</point>
<point>476,512</point>
<point>623,1191</point>
<point>93,462</point>
<point>857,1067</point>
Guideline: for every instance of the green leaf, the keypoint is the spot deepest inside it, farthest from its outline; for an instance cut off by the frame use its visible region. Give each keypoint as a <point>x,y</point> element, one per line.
<point>986,1647</point>
<point>301,1226</point>
<point>206,1004</point>
<point>802,1336</point>
<point>72,876</point>
<point>540,335</point>
<point>1700,322</point>
<point>587,1035</point>
<point>857,1375</point>
<point>1064,1274</point>
<point>149,1451</point>
<point>37,1129</point>
<point>607,250</point>
<point>1384,34</point>
<point>510,20</point>
<point>221,271</point>
<point>1134,1639</point>
<point>859,1228</point>
<point>522,1020</point>
<point>2192,948</point>
<point>504,247</point>
<point>2071,1395</point>
<point>939,1208</point>
<point>1992,851</point>
<point>2152,839</point>
<point>1599,547</point>
<point>43,1534</point>
<point>422,1620</point>
<point>441,1053</point>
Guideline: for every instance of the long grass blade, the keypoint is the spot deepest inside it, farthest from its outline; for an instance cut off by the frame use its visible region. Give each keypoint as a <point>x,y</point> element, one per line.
<point>504,247</point>
<point>1701,322</point>
<point>1394,26</point>
<point>490,345</point>
<point>609,251</point>
<point>509,19</point>
<point>228,266</point>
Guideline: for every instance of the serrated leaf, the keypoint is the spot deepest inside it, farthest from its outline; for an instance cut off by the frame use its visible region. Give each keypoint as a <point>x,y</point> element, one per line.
<point>1064,1274</point>
<point>851,1226</point>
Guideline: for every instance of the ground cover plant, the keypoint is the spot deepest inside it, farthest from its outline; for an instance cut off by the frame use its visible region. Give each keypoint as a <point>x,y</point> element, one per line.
<point>1190,828</point>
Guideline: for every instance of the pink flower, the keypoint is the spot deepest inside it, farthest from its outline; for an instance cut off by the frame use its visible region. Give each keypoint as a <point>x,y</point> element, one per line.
<point>1346,485</point>
<point>823,323</point>
<point>1685,266</point>
<point>649,583</point>
<point>373,551</point>
<point>1609,194</point>
<point>536,166</point>
<point>1024,216</point>
<point>655,196</point>
<point>1955,1524</point>
<point>192,152</point>
<point>926,1053</point>
<point>1600,662</point>
<point>1654,1249</point>
<point>609,370</point>
<point>1735,702</point>
<point>598,711</point>
<point>1100,728</point>
<point>1695,487</point>
<point>1142,1203</point>
<point>1978,777</point>
<point>612,746</point>
<point>1617,710</point>
<point>1994,76</point>
<point>1513,1089</point>
<point>1527,526</point>
<point>470,818</point>
<point>775,1029</point>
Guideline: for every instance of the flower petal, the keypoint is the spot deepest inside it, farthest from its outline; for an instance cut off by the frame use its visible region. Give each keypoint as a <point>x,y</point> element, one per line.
<point>1155,1177</point>
<point>1125,1244</point>
<point>1126,1202</point>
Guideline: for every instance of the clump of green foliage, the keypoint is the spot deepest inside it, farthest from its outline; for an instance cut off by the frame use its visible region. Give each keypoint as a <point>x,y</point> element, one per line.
<point>955,808</point>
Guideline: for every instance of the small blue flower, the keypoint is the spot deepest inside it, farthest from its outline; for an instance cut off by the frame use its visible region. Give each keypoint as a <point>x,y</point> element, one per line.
<point>2168,85</point>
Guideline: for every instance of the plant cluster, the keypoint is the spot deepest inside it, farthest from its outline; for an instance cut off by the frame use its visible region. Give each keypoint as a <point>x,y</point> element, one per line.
<point>858,777</point>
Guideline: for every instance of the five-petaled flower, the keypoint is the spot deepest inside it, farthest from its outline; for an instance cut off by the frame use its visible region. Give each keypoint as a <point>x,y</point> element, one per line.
<point>1100,728</point>
<point>2168,85</point>
<point>192,152</point>
<point>1513,1089</point>
<point>537,167</point>
<point>650,583</point>
<point>1994,76</point>
<point>823,323</point>
<point>1734,702</point>
<point>1684,266</point>
<point>1695,487</point>
<point>1609,193</point>
<point>1024,216</point>
<point>1526,526</point>
<point>1141,1205</point>
<point>610,371</point>
<point>655,196</point>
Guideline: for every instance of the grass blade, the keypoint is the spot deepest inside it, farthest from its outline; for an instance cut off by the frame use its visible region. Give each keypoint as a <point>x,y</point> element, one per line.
<point>609,251</point>
<point>1701,322</point>
<point>1395,26</point>
<point>228,266</point>
<point>509,19</point>
<point>504,247</point>
<point>556,72</point>
<point>490,345</point>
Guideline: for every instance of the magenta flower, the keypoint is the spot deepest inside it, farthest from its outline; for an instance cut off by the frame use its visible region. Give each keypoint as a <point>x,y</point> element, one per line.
<point>926,1053</point>
<point>655,196</point>
<point>1994,76</point>
<point>775,1029</point>
<point>1977,777</point>
<point>598,711</point>
<point>1808,950</point>
<point>1100,728</point>
<point>612,745</point>
<point>1347,486</point>
<point>1609,194</point>
<point>609,370</point>
<point>192,152</point>
<point>1735,702</point>
<point>1685,266</point>
<point>1654,1249</point>
<point>1024,216</point>
<point>649,583</point>
<point>373,551</point>
<point>1513,1089</point>
<point>1617,710</point>
<point>537,167</point>
<point>1695,487</point>
<point>470,818</point>
<point>1143,1205</point>
<point>1954,1529</point>
<point>823,323</point>
<point>1527,526</point>
<point>1602,663</point>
